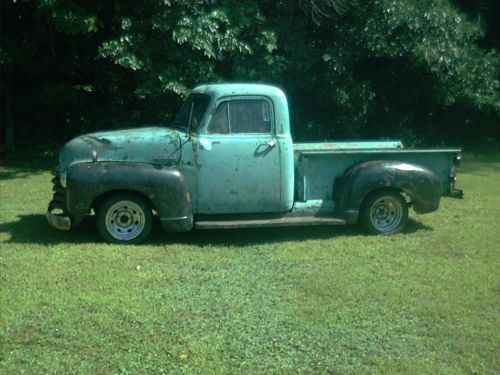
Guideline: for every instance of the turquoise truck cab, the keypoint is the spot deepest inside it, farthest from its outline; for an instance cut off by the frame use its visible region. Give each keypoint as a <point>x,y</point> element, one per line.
<point>228,161</point>
<point>241,150</point>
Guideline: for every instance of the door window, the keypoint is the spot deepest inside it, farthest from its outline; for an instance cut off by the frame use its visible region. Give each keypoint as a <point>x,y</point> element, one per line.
<point>241,116</point>
<point>219,123</point>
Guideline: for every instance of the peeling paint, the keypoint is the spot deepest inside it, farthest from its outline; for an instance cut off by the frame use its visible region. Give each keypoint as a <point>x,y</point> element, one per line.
<point>141,145</point>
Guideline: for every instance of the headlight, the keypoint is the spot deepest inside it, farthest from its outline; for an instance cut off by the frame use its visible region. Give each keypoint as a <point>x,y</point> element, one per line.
<point>62,177</point>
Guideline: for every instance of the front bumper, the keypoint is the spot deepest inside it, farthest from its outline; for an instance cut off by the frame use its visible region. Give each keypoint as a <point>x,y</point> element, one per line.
<point>58,221</point>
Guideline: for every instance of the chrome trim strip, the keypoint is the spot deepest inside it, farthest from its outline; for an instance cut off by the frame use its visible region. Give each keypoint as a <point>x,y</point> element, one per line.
<point>174,218</point>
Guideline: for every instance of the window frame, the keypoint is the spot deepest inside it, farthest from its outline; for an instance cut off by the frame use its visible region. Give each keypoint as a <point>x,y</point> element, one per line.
<point>230,99</point>
<point>203,117</point>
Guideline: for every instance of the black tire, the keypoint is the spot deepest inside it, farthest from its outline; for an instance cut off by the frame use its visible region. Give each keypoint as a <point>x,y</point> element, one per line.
<point>125,218</point>
<point>384,212</point>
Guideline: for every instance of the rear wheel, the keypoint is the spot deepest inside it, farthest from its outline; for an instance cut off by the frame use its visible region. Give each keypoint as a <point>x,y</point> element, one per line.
<point>125,218</point>
<point>384,212</point>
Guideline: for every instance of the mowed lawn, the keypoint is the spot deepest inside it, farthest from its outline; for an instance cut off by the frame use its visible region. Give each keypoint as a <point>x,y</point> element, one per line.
<point>289,300</point>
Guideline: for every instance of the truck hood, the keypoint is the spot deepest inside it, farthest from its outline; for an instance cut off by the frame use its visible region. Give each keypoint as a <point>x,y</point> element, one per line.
<point>153,145</point>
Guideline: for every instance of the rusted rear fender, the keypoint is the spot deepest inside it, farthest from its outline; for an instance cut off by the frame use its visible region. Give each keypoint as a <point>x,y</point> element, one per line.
<point>419,183</point>
<point>165,187</point>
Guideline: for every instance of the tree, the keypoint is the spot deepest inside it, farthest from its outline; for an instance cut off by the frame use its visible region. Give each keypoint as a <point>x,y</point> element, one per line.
<point>351,69</point>
<point>46,57</point>
<point>170,46</point>
<point>386,68</point>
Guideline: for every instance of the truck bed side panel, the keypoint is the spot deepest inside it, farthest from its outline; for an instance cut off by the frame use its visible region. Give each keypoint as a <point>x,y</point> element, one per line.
<point>316,171</point>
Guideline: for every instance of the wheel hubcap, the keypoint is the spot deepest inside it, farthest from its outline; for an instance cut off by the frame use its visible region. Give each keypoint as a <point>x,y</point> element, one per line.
<point>125,220</point>
<point>386,214</point>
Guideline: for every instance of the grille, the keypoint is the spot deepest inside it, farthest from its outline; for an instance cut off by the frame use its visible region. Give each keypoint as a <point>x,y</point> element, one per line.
<point>59,198</point>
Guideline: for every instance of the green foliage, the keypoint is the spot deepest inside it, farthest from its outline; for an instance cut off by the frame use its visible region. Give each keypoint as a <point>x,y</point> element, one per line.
<point>440,39</point>
<point>174,45</point>
<point>68,17</point>
<point>381,68</point>
<point>284,300</point>
<point>388,68</point>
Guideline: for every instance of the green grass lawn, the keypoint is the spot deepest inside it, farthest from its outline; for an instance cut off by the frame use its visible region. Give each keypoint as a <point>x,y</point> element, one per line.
<point>291,300</point>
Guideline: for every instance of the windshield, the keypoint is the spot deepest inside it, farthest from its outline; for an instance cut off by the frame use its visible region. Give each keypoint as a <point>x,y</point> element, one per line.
<point>199,104</point>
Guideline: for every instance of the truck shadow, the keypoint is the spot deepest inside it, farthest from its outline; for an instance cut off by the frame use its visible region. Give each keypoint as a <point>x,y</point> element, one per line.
<point>23,169</point>
<point>33,229</point>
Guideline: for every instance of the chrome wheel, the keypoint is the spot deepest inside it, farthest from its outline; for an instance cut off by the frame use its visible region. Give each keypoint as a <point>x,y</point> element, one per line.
<point>125,220</point>
<point>384,212</point>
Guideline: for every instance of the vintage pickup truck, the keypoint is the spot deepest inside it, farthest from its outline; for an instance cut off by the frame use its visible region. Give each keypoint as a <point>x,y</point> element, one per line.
<point>228,161</point>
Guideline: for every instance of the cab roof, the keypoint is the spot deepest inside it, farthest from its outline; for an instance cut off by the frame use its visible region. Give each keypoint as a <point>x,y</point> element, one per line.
<point>227,89</point>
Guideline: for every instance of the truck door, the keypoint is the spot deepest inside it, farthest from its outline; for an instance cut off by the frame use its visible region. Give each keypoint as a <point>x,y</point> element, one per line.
<point>238,159</point>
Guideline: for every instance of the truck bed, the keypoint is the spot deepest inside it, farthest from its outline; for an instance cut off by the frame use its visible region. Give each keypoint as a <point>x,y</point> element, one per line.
<point>319,164</point>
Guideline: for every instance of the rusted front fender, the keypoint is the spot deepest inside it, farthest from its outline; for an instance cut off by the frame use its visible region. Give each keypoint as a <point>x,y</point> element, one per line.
<point>419,183</point>
<point>165,187</point>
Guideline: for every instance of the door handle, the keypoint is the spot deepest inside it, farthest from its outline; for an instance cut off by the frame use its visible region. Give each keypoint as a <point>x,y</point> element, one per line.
<point>265,148</point>
<point>269,144</point>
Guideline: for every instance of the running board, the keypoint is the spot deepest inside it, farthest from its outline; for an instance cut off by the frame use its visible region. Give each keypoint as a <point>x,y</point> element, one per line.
<point>286,220</point>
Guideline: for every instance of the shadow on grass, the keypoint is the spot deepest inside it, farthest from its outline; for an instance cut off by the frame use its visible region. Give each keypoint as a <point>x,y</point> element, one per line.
<point>33,229</point>
<point>23,169</point>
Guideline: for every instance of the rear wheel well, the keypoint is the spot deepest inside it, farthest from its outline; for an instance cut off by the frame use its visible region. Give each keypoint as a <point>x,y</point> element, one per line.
<point>388,189</point>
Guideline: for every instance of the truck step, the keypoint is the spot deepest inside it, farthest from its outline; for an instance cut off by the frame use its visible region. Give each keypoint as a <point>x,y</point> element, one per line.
<point>255,221</point>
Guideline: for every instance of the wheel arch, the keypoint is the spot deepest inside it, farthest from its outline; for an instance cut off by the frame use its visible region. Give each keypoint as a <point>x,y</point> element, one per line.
<point>388,189</point>
<point>415,183</point>
<point>100,199</point>
<point>89,184</point>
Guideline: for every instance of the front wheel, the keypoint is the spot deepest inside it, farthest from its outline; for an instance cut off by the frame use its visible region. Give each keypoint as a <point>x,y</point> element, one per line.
<point>384,212</point>
<point>125,218</point>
